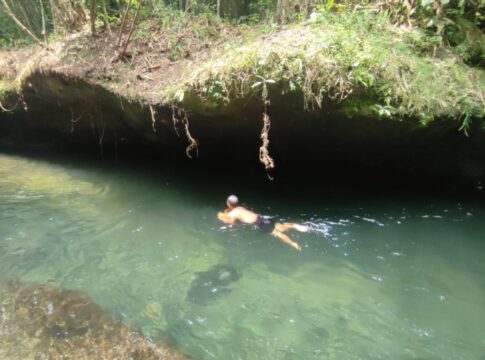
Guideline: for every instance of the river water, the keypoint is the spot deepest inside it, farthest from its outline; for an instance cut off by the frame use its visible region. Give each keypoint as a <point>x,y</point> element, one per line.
<point>379,277</point>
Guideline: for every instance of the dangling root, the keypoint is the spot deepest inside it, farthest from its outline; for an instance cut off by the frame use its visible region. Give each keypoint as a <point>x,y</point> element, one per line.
<point>4,109</point>
<point>152,114</point>
<point>264,157</point>
<point>8,110</point>
<point>20,99</point>
<point>74,121</point>
<point>185,122</point>
<point>193,143</point>
<point>174,119</point>
<point>100,123</point>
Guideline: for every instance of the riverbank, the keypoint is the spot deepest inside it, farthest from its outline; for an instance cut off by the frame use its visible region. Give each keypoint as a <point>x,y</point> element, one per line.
<point>399,71</point>
<point>200,85</point>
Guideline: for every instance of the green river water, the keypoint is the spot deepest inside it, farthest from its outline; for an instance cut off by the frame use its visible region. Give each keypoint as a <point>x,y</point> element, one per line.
<point>388,277</point>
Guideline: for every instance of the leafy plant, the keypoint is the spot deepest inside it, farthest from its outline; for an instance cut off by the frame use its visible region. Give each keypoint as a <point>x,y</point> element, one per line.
<point>465,125</point>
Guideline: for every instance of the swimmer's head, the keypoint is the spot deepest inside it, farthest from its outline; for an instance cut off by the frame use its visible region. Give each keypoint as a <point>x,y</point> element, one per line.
<point>232,201</point>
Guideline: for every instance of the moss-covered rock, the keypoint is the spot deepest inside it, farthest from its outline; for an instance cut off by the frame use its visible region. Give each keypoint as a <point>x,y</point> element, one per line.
<point>44,322</point>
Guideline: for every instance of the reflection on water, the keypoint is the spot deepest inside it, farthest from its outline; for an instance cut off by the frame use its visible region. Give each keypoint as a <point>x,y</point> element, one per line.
<point>375,280</point>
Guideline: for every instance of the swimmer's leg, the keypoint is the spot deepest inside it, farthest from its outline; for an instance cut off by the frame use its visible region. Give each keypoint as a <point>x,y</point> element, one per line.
<point>284,238</point>
<point>287,226</point>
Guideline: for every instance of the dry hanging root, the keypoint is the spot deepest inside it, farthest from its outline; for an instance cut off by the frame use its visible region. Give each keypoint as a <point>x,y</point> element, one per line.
<point>100,126</point>
<point>264,157</point>
<point>74,121</point>
<point>3,108</point>
<point>174,118</point>
<point>185,122</point>
<point>192,141</point>
<point>152,114</point>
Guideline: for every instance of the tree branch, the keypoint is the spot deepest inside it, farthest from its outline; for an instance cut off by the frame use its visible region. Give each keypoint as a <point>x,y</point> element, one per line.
<point>19,23</point>
<point>123,22</point>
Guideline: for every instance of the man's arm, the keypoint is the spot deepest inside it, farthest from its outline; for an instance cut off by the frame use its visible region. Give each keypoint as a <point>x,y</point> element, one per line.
<point>226,218</point>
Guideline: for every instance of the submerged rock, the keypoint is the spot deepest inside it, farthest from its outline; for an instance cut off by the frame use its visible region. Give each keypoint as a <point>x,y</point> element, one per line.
<point>43,322</point>
<point>211,284</point>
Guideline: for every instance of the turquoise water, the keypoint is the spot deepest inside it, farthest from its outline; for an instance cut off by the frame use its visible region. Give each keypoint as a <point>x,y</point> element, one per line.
<point>377,278</point>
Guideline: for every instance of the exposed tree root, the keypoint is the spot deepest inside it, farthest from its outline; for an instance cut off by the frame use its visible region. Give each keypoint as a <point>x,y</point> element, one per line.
<point>152,114</point>
<point>2,108</point>
<point>8,110</point>
<point>264,156</point>
<point>74,121</point>
<point>185,123</point>
<point>100,127</point>
<point>20,99</point>
<point>174,118</point>
<point>192,142</point>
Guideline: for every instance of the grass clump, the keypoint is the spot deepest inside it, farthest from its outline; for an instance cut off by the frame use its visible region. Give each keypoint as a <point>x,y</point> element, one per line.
<point>333,57</point>
<point>6,88</point>
<point>179,34</point>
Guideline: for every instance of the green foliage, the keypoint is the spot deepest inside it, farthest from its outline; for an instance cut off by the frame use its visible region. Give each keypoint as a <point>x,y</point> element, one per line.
<point>3,89</point>
<point>9,32</point>
<point>342,56</point>
<point>447,22</point>
<point>260,10</point>
<point>465,126</point>
<point>181,30</point>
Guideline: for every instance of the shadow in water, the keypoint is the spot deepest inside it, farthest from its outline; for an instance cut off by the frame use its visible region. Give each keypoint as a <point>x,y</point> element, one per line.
<point>212,284</point>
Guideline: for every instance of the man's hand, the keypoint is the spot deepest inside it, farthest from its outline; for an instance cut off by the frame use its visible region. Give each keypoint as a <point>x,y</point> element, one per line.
<point>225,218</point>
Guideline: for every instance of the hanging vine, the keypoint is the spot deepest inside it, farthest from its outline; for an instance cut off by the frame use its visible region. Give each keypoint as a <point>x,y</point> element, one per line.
<point>264,156</point>
<point>184,120</point>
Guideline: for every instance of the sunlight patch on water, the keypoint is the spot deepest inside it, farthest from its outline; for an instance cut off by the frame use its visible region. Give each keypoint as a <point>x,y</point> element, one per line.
<point>21,179</point>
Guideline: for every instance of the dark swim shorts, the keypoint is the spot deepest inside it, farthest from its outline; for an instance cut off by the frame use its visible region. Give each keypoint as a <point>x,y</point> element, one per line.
<point>266,224</point>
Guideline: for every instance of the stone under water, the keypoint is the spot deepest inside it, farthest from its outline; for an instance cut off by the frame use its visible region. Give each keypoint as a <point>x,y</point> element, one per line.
<point>43,322</point>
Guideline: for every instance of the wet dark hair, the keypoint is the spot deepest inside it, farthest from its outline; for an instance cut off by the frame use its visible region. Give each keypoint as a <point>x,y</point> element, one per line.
<point>233,200</point>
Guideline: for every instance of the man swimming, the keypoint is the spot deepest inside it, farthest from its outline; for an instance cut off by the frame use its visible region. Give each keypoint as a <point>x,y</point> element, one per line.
<point>235,212</point>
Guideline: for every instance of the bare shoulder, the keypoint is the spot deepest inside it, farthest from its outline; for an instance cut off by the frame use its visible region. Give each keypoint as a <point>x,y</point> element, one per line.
<point>236,211</point>
<point>242,214</point>
<point>240,210</point>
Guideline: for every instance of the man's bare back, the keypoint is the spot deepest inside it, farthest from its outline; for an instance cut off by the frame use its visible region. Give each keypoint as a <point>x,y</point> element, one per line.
<point>230,216</point>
